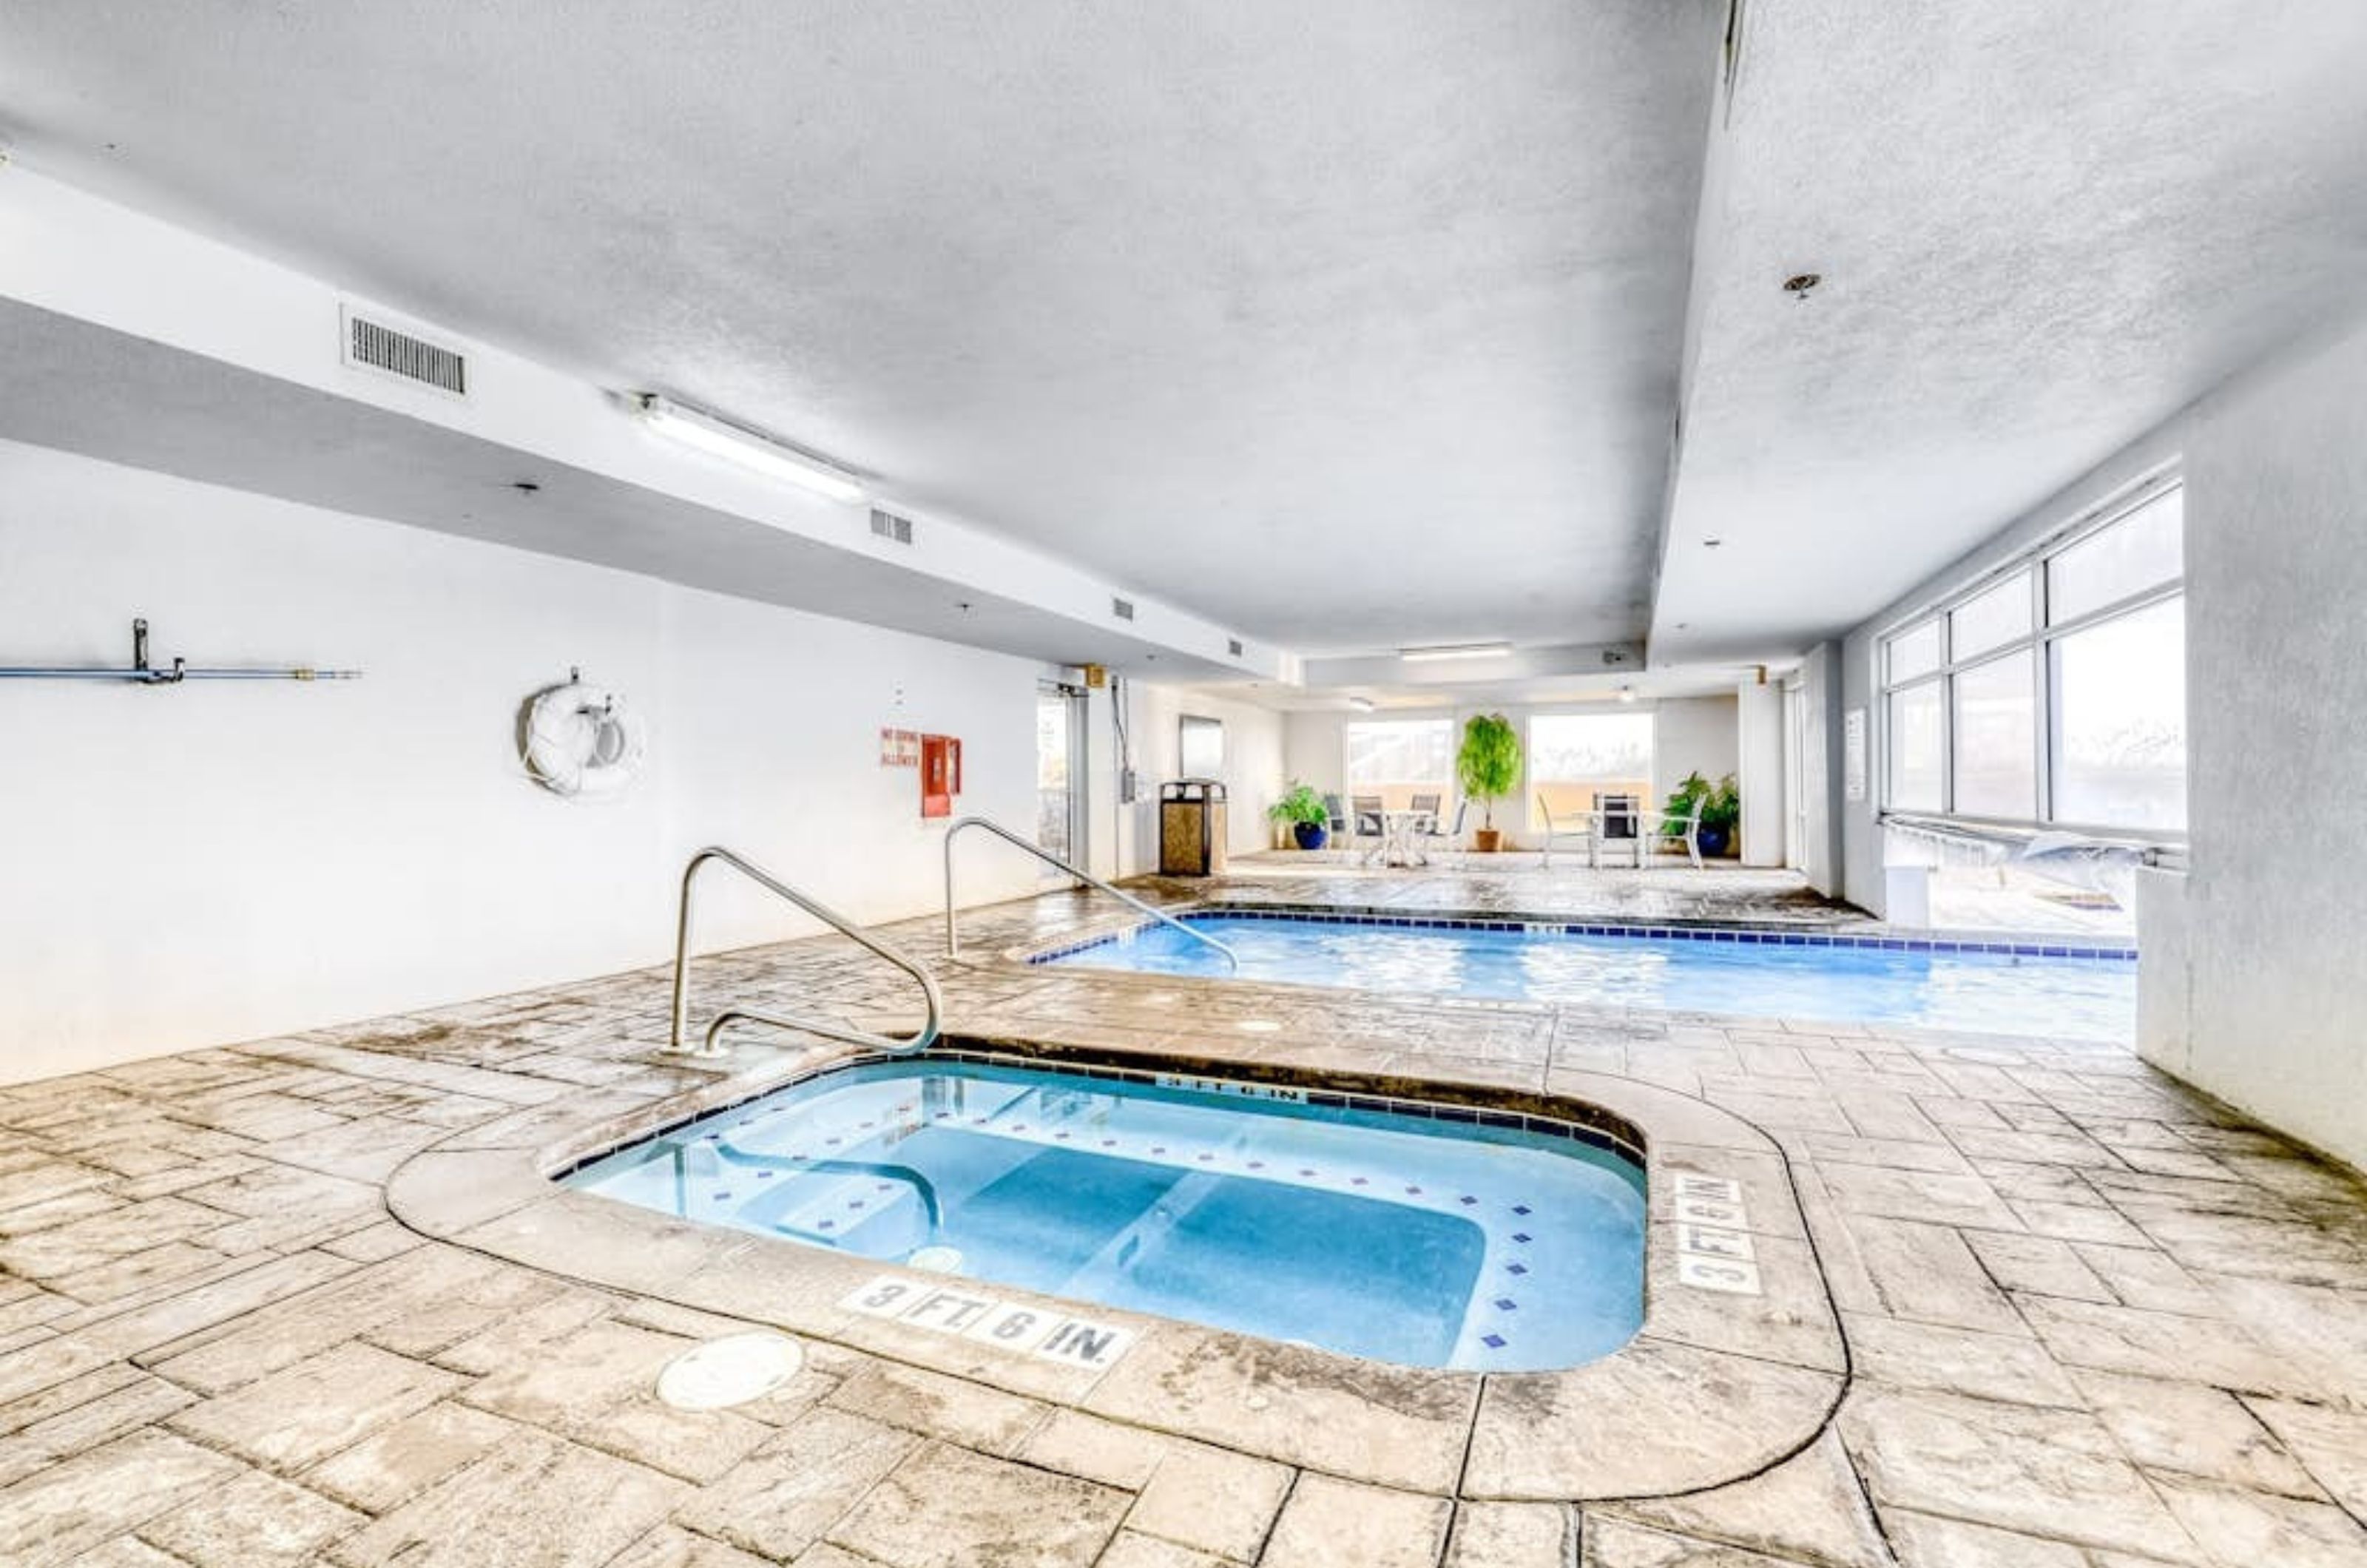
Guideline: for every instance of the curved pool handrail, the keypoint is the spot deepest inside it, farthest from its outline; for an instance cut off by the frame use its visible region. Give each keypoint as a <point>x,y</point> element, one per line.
<point>953,940</point>
<point>828,1028</point>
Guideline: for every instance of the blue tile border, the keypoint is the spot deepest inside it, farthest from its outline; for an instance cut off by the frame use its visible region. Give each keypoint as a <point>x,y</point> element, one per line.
<point>1765,936</point>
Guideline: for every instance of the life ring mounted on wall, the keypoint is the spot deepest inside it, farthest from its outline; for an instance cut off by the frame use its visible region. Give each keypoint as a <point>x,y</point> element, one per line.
<point>581,741</point>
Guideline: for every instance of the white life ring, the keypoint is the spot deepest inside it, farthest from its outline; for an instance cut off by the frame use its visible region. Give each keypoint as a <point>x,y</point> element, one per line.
<point>581,741</point>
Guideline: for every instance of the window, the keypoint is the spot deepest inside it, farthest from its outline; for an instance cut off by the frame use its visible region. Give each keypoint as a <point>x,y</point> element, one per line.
<point>2144,550</point>
<point>1399,758</point>
<point>1573,757</point>
<point>1917,749</point>
<point>1996,754</point>
<point>2119,718</point>
<point>1915,651</point>
<point>1200,748</point>
<point>1990,619</point>
<point>2052,694</point>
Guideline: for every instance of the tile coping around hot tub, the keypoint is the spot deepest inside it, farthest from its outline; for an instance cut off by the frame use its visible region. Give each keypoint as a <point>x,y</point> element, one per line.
<point>1663,931</point>
<point>1716,1385</point>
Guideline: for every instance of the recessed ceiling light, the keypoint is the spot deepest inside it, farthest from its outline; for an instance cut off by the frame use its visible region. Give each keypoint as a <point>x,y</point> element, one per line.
<point>1626,694</point>
<point>1799,286</point>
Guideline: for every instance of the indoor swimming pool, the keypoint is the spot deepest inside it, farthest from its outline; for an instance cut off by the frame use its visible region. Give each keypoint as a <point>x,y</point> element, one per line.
<point>1463,1238</point>
<point>2068,991</point>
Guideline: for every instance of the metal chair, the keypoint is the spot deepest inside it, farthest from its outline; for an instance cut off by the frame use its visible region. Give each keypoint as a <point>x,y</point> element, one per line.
<point>1430,838</point>
<point>1619,819</point>
<point>1365,822</point>
<point>1427,805</point>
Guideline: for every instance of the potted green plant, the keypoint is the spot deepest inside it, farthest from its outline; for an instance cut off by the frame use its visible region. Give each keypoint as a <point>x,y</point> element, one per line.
<point>1488,768</point>
<point>1304,811</point>
<point>1721,811</point>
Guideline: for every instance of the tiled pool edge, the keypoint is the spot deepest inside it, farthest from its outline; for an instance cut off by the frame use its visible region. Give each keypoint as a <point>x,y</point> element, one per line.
<point>1713,1387</point>
<point>1662,930</point>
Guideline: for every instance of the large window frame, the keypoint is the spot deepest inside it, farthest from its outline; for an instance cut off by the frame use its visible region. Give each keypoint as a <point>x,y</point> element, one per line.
<point>2038,644</point>
<point>1535,782</point>
<point>1397,793</point>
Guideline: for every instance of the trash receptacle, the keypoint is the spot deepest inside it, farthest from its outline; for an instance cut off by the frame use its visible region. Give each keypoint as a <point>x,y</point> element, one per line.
<point>1191,828</point>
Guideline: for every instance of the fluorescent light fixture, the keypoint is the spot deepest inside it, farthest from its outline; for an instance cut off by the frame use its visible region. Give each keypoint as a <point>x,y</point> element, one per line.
<point>749,448</point>
<point>1362,705</point>
<point>1455,650</point>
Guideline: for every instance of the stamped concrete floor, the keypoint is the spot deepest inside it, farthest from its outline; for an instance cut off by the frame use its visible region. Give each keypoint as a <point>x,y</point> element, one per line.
<point>2094,1320</point>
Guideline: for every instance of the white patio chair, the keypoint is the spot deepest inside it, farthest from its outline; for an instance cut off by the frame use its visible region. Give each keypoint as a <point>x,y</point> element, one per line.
<point>1687,838</point>
<point>1580,834</point>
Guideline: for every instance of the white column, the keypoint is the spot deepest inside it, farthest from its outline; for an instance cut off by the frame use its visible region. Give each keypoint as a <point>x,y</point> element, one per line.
<point>1759,750</point>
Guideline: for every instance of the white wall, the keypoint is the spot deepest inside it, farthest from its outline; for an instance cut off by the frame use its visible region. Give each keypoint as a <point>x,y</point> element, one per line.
<point>2276,544</point>
<point>1693,734</point>
<point>1253,768</point>
<point>218,861</point>
<point>1759,711</point>
<point>1821,780</point>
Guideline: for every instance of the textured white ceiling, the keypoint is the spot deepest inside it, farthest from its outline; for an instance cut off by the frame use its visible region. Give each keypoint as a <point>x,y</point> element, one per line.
<point>1354,324</point>
<point>2043,228</point>
<point>1347,322</point>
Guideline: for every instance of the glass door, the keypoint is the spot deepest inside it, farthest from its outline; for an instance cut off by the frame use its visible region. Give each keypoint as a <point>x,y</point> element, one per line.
<point>1060,771</point>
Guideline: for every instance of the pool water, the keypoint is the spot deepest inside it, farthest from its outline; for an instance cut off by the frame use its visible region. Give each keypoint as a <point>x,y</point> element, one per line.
<point>2012,993</point>
<point>1372,1232</point>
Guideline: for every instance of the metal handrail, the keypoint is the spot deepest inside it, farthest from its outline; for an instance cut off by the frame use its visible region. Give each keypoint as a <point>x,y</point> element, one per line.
<point>920,1041</point>
<point>953,941</point>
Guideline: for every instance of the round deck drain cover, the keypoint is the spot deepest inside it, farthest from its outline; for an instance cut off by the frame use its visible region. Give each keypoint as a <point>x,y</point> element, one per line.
<point>938,1259</point>
<point>730,1370</point>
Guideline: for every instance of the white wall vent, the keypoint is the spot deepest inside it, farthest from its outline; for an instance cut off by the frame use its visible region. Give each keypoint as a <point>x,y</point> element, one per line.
<point>894,529</point>
<point>1122,608</point>
<point>373,342</point>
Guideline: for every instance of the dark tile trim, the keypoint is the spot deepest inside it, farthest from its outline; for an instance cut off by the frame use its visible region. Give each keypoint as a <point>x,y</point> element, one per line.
<point>1768,936</point>
<point>1546,1115</point>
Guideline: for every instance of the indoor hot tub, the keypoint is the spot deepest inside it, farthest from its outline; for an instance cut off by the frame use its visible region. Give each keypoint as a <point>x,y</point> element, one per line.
<point>1429,1235</point>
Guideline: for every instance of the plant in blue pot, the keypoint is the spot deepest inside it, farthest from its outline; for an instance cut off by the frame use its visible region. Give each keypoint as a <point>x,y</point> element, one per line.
<point>1721,811</point>
<point>1304,811</point>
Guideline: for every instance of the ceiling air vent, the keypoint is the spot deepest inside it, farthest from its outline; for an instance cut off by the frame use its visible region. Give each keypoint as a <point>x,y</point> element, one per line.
<point>894,529</point>
<point>372,344</point>
<point>1122,608</point>
<point>1233,646</point>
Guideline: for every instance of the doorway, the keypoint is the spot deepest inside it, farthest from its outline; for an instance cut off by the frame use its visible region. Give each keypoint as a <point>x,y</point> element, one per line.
<point>1060,771</point>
